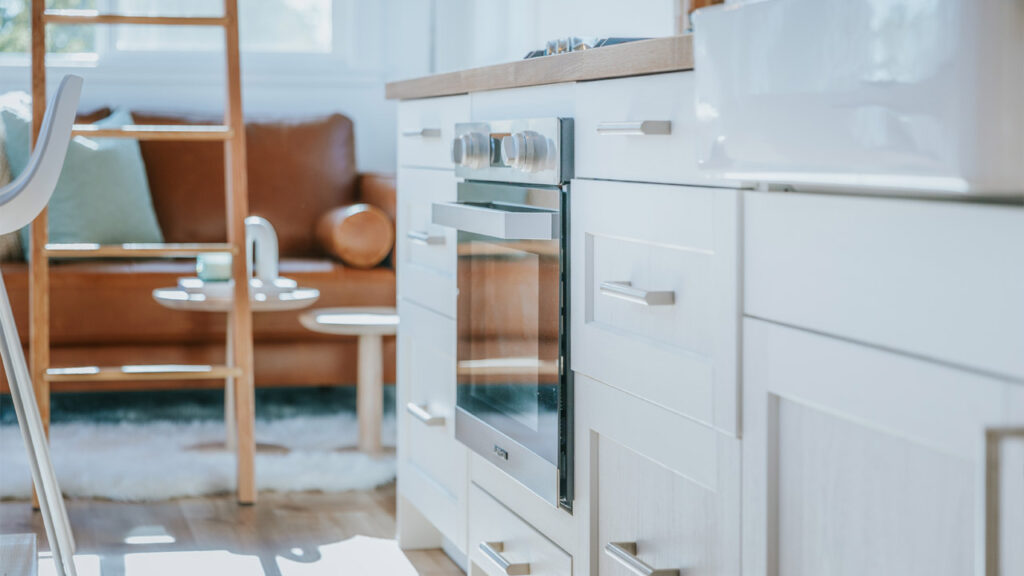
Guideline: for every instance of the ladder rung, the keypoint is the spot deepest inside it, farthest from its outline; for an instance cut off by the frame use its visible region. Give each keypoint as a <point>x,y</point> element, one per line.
<point>85,250</point>
<point>142,372</point>
<point>155,132</point>
<point>97,17</point>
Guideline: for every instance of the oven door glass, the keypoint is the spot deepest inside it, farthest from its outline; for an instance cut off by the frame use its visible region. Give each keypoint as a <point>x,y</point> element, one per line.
<point>509,369</point>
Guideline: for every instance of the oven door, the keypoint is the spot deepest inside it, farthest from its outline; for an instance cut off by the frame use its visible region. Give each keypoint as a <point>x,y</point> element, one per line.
<point>510,359</point>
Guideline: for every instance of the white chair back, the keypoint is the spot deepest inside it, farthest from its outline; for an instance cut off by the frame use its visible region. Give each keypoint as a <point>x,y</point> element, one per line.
<point>22,200</point>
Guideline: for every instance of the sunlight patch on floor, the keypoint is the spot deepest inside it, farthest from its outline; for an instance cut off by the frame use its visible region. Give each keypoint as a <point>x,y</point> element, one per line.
<point>359,555</point>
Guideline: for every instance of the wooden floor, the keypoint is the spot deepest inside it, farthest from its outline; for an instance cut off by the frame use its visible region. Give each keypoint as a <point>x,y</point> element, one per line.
<point>283,534</point>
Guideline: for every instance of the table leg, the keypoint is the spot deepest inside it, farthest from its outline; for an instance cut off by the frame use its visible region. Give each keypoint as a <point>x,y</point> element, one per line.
<point>369,392</point>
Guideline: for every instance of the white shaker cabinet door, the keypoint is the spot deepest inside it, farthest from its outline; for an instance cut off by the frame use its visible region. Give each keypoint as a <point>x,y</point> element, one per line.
<point>432,465</point>
<point>861,461</point>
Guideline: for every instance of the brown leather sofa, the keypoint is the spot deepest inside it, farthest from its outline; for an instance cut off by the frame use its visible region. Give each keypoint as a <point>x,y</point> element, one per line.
<point>103,314</point>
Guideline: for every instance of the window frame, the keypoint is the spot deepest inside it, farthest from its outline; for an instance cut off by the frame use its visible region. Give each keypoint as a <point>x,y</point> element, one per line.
<point>197,67</point>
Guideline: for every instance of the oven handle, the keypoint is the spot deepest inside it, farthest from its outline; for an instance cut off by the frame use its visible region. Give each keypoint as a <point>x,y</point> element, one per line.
<point>498,223</point>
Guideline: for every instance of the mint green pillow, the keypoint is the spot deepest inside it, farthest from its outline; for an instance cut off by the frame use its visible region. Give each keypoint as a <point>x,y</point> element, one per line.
<point>102,195</point>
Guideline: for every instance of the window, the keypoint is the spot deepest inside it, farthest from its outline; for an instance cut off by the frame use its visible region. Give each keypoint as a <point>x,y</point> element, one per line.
<point>265,26</point>
<point>15,34</point>
<point>288,26</point>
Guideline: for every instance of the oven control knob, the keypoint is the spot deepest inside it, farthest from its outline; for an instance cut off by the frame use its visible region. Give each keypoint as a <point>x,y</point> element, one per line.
<point>526,151</point>
<point>471,150</point>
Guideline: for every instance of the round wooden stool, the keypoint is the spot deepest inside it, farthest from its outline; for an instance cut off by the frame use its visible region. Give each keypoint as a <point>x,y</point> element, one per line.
<point>370,325</point>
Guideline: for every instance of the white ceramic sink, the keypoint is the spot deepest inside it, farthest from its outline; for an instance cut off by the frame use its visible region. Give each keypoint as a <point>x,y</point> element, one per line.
<point>907,96</point>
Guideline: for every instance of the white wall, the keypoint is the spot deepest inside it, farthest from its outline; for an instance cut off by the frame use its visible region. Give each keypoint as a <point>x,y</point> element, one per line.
<point>481,32</point>
<point>389,40</point>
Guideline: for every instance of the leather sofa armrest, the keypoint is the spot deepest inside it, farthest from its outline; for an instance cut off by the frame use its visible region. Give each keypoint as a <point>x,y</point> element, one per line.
<point>360,235</point>
<point>378,190</point>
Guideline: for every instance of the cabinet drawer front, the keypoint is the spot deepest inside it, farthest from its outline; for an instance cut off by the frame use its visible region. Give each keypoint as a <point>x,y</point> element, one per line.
<point>666,488</point>
<point>936,279</point>
<point>427,377</point>
<point>666,521</point>
<point>419,241</point>
<point>640,129</point>
<point>655,294</point>
<point>426,129</point>
<point>428,287</point>
<point>497,536</point>
<point>862,460</point>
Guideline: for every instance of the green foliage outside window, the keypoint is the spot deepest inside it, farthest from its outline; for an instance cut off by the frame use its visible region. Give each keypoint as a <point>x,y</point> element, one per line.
<point>15,32</point>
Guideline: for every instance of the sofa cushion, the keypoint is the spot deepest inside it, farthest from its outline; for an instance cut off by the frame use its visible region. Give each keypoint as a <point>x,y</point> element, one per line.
<point>297,171</point>
<point>10,243</point>
<point>102,195</point>
<point>118,306</point>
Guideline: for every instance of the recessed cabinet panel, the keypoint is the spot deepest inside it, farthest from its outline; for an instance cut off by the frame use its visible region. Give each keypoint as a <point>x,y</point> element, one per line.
<point>908,506</point>
<point>426,129</point>
<point>858,460</point>
<point>655,294</point>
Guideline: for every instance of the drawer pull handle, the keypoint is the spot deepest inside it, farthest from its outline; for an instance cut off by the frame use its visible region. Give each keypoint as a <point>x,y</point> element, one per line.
<point>423,133</point>
<point>420,413</point>
<point>625,554</point>
<point>626,291</point>
<point>644,128</point>
<point>424,237</point>
<point>493,551</point>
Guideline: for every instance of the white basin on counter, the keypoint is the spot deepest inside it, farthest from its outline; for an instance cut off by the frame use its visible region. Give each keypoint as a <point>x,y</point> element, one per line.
<point>912,96</point>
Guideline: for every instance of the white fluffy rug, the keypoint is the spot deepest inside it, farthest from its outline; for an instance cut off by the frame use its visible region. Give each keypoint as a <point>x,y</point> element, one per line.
<point>144,462</point>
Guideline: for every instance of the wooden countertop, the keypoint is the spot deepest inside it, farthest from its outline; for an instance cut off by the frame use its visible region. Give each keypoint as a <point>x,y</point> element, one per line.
<point>669,54</point>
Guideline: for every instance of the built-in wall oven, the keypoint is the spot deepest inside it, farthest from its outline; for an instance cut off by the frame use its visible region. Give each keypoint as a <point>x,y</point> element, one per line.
<point>514,403</point>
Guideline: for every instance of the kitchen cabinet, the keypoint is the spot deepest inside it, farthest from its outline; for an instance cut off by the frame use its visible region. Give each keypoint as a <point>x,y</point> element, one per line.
<point>766,383</point>
<point>859,460</point>
<point>432,465</point>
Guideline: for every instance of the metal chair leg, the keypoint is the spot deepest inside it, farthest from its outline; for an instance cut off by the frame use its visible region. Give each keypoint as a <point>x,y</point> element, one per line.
<point>51,502</point>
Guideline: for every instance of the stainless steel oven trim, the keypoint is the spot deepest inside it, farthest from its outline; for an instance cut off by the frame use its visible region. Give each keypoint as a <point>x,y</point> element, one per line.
<point>516,460</point>
<point>494,222</point>
<point>559,132</point>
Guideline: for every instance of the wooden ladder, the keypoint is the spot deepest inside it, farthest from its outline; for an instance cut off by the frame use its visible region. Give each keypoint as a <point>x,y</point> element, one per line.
<point>232,133</point>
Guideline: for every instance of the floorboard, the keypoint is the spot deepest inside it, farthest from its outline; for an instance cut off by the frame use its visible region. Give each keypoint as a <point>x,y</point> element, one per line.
<point>282,534</point>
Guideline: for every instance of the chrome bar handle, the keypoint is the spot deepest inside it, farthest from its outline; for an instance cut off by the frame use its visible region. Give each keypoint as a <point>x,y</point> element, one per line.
<point>625,553</point>
<point>993,489</point>
<point>625,291</point>
<point>423,133</point>
<point>424,237</point>
<point>493,551</point>
<point>420,413</point>
<point>640,128</point>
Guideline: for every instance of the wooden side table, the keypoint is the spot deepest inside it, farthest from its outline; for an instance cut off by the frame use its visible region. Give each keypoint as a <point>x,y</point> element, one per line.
<point>370,325</point>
